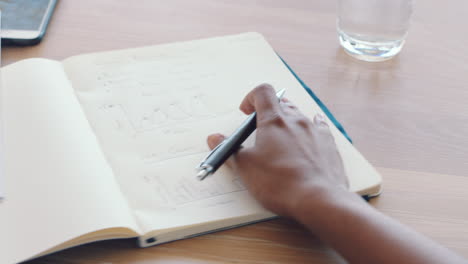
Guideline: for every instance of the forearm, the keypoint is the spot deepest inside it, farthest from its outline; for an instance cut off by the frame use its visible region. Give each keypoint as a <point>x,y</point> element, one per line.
<point>294,169</point>
<point>361,234</point>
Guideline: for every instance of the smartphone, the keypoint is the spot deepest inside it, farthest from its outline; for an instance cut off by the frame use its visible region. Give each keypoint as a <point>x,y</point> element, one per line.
<point>24,22</point>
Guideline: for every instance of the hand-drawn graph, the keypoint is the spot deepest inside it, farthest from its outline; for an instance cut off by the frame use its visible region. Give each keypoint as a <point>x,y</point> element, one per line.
<point>138,100</point>
<point>144,116</point>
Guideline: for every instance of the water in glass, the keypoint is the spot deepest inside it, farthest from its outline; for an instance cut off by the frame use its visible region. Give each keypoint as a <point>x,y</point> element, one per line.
<point>373,30</point>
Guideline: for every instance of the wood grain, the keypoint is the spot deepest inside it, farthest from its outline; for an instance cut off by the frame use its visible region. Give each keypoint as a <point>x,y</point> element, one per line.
<point>409,113</point>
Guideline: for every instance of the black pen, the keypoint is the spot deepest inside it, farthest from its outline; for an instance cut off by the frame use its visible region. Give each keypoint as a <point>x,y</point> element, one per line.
<point>225,149</point>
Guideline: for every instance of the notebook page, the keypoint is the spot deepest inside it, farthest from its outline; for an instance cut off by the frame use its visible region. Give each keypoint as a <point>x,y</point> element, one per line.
<point>58,183</point>
<point>152,109</point>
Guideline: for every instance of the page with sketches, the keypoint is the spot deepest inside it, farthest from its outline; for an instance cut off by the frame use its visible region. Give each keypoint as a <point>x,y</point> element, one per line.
<point>153,107</point>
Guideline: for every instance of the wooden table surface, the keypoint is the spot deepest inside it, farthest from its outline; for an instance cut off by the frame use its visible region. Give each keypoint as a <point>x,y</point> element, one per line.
<point>409,114</point>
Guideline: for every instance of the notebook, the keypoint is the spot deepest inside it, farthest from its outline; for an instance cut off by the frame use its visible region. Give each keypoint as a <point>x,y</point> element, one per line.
<point>104,146</point>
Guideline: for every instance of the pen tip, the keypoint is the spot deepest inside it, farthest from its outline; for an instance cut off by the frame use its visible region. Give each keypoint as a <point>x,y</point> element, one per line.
<point>202,174</point>
<point>280,93</point>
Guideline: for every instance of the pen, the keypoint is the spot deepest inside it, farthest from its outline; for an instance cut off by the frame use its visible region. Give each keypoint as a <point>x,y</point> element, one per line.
<point>225,149</point>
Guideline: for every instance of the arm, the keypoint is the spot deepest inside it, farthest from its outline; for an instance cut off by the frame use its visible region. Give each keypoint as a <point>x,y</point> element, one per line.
<point>361,234</point>
<point>295,170</point>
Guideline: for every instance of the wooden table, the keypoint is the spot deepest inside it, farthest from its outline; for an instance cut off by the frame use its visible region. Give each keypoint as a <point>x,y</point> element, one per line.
<point>409,114</point>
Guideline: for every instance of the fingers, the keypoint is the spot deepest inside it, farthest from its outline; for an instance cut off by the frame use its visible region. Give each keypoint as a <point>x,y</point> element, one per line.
<point>288,107</point>
<point>213,141</point>
<point>263,100</point>
<point>323,129</point>
<point>320,120</point>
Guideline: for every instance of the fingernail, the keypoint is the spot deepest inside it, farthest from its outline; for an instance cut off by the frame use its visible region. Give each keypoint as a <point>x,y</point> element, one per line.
<point>320,119</point>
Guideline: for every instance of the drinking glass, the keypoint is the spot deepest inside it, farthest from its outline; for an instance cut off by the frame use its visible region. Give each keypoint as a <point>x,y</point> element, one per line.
<point>373,30</point>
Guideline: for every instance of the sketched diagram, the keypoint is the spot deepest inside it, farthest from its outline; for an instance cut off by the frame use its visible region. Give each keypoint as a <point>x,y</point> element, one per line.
<point>186,189</point>
<point>147,116</point>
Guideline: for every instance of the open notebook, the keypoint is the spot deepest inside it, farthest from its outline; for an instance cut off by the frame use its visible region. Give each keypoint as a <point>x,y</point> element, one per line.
<point>104,145</point>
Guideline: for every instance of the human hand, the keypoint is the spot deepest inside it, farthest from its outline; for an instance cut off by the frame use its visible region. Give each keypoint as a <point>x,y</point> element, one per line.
<point>292,158</point>
<point>295,170</point>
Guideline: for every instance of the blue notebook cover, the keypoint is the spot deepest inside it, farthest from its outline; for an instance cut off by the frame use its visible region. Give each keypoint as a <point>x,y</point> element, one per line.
<point>319,102</point>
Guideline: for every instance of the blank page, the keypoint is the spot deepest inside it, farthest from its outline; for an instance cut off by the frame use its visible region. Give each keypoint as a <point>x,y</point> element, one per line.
<point>58,182</point>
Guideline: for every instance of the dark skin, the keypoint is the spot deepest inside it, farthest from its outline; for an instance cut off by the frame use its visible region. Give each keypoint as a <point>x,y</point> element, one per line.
<point>295,171</point>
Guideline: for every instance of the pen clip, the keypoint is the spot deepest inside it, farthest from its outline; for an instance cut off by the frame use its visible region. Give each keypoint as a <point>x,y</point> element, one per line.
<point>209,154</point>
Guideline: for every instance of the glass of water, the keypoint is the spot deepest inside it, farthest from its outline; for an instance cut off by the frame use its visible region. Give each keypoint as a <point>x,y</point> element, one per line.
<point>373,30</point>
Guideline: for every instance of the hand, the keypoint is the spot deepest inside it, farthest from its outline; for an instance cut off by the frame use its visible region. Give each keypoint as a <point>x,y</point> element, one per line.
<point>294,170</point>
<point>292,158</point>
